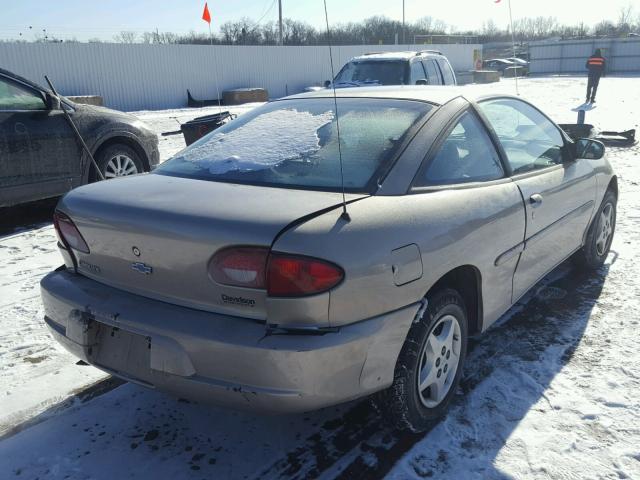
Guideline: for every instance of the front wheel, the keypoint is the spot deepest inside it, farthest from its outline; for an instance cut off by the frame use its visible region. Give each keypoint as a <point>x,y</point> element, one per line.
<point>600,235</point>
<point>118,161</point>
<point>430,365</point>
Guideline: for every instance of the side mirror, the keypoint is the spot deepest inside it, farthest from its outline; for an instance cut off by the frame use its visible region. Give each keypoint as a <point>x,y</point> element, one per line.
<point>327,83</point>
<point>422,81</point>
<point>53,103</point>
<point>589,149</point>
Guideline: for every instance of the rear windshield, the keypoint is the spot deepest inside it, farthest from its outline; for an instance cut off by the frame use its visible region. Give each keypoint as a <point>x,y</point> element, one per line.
<point>294,143</point>
<point>373,72</point>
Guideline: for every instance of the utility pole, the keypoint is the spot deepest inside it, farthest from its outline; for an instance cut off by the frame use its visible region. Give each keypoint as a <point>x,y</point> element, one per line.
<point>280,22</point>
<point>403,29</point>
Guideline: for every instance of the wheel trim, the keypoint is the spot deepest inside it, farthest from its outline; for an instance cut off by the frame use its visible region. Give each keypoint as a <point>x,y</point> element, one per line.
<point>605,229</point>
<point>439,360</point>
<point>120,166</point>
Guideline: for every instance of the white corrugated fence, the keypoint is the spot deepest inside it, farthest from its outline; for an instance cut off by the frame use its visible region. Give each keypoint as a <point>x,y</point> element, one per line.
<point>136,77</point>
<point>570,56</point>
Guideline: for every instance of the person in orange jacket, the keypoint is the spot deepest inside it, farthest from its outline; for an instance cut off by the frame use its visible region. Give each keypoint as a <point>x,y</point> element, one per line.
<point>596,65</point>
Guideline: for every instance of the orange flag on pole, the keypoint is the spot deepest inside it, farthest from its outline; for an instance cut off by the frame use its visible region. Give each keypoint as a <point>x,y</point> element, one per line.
<point>206,16</point>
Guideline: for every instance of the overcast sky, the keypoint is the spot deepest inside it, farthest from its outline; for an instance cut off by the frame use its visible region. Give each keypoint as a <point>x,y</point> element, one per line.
<point>85,19</point>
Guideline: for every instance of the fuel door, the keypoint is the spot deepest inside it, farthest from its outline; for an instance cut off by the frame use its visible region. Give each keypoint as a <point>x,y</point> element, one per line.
<point>406,264</point>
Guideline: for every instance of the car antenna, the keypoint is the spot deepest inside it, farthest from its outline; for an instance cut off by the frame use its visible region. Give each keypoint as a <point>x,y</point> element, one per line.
<point>345,215</point>
<point>513,44</point>
<point>74,128</point>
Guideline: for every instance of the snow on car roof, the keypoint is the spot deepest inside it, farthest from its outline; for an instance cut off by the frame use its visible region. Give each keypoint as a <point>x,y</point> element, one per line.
<point>437,95</point>
<point>393,55</point>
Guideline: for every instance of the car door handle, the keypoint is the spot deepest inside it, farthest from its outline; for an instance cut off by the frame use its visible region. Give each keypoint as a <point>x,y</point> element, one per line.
<point>535,200</point>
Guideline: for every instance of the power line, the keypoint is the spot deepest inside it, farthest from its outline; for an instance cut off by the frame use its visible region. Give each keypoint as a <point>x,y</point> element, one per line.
<point>257,23</point>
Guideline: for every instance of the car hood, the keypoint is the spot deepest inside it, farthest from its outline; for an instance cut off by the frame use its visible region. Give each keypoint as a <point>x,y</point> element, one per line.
<point>104,111</point>
<point>93,121</point>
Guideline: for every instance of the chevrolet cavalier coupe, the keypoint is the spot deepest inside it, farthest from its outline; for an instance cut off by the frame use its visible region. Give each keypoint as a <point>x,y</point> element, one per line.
<point>235,274</point>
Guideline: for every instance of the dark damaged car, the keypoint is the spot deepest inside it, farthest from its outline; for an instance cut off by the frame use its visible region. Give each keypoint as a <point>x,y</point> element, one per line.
<point>40,156</point>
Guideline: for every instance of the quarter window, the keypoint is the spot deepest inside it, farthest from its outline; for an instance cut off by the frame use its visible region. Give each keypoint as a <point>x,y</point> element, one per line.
<point>432,72</point>
<point>530,140</point>
<point>417,72</point>
<point>466,155</point>
<point>447,73</point>
<point>14,97</point>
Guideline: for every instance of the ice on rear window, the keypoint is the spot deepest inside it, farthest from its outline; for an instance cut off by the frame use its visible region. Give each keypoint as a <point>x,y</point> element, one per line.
<point>267,141</point>
<point>294,143</point>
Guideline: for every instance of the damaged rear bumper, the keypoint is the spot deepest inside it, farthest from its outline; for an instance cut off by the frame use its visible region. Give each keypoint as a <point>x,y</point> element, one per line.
<point>220,359</point>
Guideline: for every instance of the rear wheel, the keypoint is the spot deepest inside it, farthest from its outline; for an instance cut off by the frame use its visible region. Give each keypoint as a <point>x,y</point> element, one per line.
<point>600,235</point>
<point>430,365</point>
<point>118,160</point>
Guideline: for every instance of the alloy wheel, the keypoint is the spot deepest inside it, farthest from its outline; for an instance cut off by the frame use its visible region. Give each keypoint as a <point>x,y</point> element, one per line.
<point>605,229</point>
<point>120,166</point>
<point>439,361</point>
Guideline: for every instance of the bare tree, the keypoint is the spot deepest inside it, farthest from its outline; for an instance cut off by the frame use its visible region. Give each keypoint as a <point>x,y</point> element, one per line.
<point>126,36</point>
<point>490,29</point>
<point>625,19</point>
<point>269,33</point>
<point>241,32</point>
<point>605,28</point>
<point>377,29</point>
<point>295,32</point>
<point>148,37</point>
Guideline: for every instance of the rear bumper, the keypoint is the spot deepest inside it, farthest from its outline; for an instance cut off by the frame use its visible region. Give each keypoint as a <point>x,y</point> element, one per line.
<point>220,359</point>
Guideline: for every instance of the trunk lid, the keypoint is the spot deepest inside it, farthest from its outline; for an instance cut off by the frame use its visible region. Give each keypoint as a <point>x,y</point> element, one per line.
<point>154,235</point>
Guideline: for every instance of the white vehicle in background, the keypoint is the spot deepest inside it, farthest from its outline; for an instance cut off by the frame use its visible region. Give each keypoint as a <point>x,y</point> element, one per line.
<point>519,61</point>
<point>426,67</point>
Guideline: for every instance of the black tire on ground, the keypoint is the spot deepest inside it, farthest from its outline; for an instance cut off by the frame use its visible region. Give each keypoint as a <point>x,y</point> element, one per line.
<point>110,153</point>
<point>593,254</point>
<point>401,403</point>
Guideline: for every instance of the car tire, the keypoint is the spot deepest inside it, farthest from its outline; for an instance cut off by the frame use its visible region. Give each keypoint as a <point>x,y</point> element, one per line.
<point>404,404</point>
<point>117,160</point>
<point>600,235</point>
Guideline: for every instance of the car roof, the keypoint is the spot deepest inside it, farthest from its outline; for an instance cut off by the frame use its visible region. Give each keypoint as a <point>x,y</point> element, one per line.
<point>395,55</point>
<point>437,95</point>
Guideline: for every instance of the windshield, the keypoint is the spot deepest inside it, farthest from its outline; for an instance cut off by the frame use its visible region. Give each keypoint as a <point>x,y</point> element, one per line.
<point>294,143</point>
<point>372,72</point>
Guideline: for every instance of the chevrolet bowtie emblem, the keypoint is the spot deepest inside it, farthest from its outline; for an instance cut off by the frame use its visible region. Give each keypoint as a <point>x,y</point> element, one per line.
<point>142,268</point>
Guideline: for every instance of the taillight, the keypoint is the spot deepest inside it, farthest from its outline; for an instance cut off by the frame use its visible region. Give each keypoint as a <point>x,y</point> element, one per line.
<point>240,266</point>
<point>297,276</point>
<point>281,274</point>
<point>68,233</point>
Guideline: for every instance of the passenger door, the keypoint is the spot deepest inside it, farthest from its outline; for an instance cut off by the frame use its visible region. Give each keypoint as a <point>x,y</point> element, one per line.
<point>39,155</point>
<point>558,191</point>
<point>473,213</point>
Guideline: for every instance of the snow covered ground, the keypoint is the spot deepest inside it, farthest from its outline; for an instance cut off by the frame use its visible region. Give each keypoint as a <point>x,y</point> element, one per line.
<point>552,391</point>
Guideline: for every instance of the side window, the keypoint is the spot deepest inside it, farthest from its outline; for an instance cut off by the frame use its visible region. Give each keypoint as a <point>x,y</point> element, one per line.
<point>15,97</point>
<point>432,72</point>
<point>467,155</point>
<point>449,79</point>
<point>530,140</point>
<point>417,72</point>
